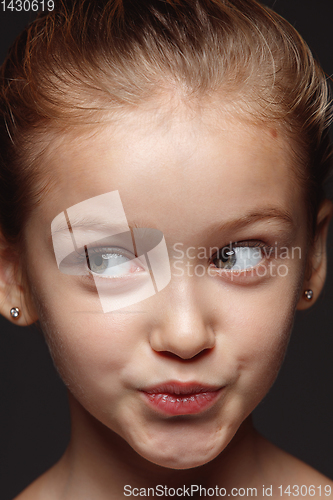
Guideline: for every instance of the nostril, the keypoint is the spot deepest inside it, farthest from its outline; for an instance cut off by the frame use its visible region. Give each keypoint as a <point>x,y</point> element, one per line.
<point>200,355</point>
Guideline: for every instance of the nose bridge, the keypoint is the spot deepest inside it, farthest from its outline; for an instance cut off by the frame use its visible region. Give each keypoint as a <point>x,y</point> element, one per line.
<point>183,327</point>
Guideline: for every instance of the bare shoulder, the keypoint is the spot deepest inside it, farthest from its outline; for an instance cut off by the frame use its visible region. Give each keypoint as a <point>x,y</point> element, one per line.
<point>45,487</point>
<point>34,491</point>
<point>291,477</point>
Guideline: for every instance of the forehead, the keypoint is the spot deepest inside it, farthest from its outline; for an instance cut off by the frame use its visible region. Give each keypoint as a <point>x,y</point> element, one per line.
<point>174,167</point>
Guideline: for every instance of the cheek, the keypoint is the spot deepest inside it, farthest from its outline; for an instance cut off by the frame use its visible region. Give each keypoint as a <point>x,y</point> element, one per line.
<point>89,350</point>
<point>261,328</point>
<point>80,337</point>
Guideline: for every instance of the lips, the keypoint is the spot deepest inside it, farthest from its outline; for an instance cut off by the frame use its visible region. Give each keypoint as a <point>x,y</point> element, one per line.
<point>174,398</point>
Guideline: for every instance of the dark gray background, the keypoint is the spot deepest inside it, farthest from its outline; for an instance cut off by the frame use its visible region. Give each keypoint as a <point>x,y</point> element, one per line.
<point>296,414</point>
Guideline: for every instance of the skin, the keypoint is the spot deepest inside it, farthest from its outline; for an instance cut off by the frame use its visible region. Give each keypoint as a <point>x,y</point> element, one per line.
<point>230,333</point>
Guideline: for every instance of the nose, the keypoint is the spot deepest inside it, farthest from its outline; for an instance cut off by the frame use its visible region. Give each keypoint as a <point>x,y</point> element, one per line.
<point>183,327</point>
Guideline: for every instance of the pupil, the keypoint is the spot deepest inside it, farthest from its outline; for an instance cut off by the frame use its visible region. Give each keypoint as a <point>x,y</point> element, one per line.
<point>225,258</point>
<point>98,261</point>
<point>225,254</point>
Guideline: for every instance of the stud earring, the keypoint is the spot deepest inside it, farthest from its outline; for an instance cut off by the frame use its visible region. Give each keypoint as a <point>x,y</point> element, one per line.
<point>308,294</point>
<point>15,312</point>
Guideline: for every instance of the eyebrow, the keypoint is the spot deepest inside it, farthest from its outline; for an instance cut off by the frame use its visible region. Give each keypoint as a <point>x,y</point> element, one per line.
<point>86,222</point>
<point>264,214</point>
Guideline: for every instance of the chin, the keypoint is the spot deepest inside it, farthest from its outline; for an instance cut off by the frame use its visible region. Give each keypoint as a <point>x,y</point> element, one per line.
<point>186,460</point>
<point>179,454</point>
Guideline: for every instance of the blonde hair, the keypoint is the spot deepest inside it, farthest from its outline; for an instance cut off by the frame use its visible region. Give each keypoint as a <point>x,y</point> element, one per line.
<point>89,57</point>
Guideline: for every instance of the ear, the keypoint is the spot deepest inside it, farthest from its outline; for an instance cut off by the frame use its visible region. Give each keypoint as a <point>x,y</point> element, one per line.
<point>13,293</point>
<point>317,259</point>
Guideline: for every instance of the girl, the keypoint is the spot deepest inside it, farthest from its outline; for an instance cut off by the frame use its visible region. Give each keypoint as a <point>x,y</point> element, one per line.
<point>162,218</point>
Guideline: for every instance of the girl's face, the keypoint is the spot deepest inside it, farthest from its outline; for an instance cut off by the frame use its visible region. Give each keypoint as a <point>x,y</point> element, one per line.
<point>177,373</point>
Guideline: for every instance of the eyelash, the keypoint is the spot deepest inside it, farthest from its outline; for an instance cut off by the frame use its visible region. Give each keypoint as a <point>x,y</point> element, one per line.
<point>248,244</point>
<point>82,257</point>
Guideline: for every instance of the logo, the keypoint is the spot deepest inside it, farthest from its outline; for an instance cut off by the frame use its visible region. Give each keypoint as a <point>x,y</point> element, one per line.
<point>128,265</point>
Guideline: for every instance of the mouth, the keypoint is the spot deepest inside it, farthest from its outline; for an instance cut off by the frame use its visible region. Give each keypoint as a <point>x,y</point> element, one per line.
<point>175,398</point>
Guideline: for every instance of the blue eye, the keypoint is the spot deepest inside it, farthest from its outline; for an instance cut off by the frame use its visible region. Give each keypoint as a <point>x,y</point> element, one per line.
<point>110,262</point>
<point>238,257</point>
<point>99,262</point>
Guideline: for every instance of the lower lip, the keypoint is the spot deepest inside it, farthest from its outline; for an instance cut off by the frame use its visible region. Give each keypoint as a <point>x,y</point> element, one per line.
<point>182,404</point>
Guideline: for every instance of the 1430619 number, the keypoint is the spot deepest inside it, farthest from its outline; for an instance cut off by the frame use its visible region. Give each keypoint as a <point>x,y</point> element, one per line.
<point>305,491</point>
<point>27,5</point>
